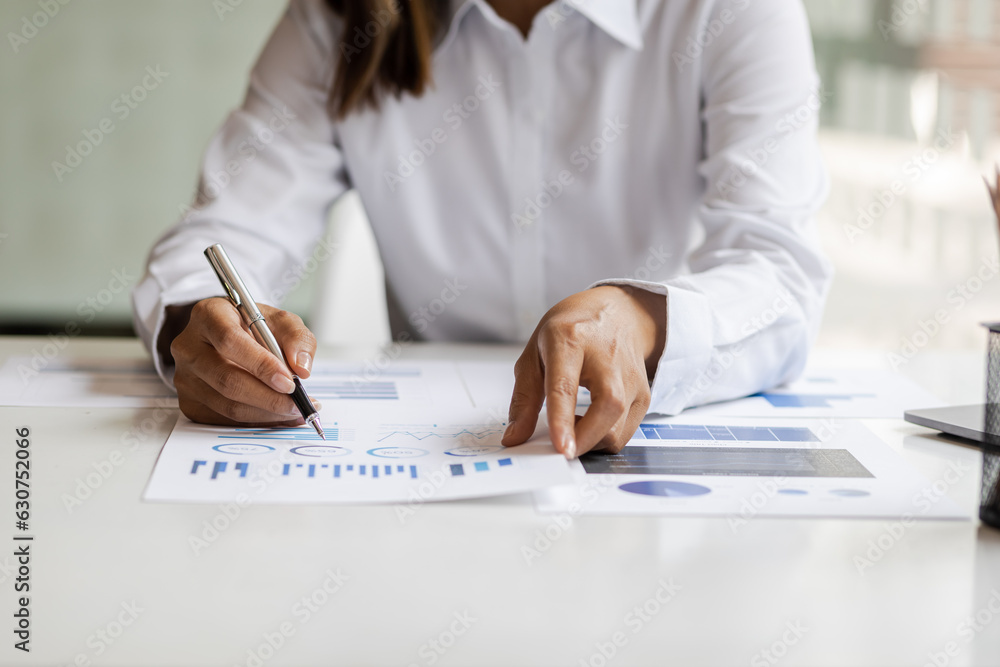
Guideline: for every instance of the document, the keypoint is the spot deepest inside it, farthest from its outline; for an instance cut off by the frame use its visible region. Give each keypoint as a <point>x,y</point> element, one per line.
<point>83,383</point>
<point>745,468</point>
<point>134,383</point>
<point>859,394</point>
<point>402,433</point>
<point>838,393</point>
<point>384,456</point>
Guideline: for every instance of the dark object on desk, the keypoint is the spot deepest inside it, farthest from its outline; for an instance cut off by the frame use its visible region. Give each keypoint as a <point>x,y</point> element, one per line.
<point>979,424</point>
<point>989,499</point>
<point>964,421</point>
<point>969,422</point>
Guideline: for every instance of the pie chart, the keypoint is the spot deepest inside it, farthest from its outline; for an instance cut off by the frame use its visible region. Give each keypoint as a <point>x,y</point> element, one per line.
<point>664,488</point>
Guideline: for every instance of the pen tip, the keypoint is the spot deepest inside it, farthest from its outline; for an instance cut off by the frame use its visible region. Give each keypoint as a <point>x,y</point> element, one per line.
<point>319,428</point>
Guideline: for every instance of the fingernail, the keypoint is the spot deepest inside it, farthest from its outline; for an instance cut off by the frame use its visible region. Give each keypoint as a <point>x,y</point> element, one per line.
<point>304,360</point>
<point>569,448</point>
<point>509,430</point>
<point>282,384</point>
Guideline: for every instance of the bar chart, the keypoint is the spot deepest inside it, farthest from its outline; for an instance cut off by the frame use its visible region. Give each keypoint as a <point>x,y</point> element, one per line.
<point>720,433</point>
<point>458,469</point>
<point>808,400</point>
<point>296,433</point>
<point>214,470</point>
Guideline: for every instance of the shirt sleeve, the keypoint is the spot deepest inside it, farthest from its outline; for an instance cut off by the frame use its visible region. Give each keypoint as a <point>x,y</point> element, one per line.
<point>268,180</point>
<point>745,317</point>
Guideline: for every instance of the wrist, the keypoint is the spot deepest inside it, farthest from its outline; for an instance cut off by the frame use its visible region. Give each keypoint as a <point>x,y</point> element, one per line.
<point>650,317</point>
<point>175,320</point>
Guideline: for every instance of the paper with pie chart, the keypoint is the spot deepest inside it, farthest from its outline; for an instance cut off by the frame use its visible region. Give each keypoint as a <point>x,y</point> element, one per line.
<point>386,457</point>
<point>747,468</point>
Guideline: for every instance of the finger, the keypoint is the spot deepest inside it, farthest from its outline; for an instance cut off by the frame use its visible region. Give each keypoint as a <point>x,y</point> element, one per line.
<point>238,411</point>
<point>202,414</point>
<point>217,375</point>
<point>297,342</point>
<point>526,400</point>
<point>222,328</point>
<point>609,405</point>
<point>562,364</point>
<point>622,432</point>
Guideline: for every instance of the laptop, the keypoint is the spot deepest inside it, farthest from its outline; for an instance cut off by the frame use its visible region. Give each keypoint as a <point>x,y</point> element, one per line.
<point>963,421</point>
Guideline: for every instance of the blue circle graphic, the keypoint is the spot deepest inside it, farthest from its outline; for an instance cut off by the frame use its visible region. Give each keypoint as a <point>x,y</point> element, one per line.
<point>665,488</point>
<point>473,450</point>
<point>850,493</point>
<point>243,448</point>
<point>319,451</point>
<point>397,452</point>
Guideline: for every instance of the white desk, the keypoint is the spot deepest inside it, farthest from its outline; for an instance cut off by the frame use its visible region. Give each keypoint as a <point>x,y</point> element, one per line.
<point>740,591</point>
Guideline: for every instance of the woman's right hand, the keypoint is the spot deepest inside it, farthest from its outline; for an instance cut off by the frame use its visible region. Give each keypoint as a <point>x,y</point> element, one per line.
<point>224,376</point>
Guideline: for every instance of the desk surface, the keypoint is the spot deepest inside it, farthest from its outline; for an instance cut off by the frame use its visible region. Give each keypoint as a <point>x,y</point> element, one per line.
<point>116,581</point>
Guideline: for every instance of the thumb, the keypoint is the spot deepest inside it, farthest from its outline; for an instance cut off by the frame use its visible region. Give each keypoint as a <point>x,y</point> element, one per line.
<point>526,400</point>
<point>297,342</point>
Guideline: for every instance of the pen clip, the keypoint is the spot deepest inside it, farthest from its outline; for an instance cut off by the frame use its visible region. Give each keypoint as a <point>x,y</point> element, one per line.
<point>218,259</point>
<point>233,296</point>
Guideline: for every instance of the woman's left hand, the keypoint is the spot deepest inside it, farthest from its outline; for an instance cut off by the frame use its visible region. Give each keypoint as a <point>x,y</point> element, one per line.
<point>607,339</point>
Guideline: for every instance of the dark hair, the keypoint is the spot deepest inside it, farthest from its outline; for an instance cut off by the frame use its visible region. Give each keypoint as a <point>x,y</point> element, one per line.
<point>386,47</point>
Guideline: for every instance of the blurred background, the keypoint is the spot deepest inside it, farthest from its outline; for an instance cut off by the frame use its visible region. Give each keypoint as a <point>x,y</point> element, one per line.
<point>909,128</point>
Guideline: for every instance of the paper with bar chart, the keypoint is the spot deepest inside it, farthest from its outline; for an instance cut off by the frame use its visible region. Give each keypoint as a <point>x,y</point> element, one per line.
<point>744,468</point>
<point>133,383</point>
<point>41,381</point>
<point>368,457</point>
<point>841,393</point>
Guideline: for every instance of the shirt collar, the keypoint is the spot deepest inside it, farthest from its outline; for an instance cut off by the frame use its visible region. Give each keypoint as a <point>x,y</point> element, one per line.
<point>618,18</point>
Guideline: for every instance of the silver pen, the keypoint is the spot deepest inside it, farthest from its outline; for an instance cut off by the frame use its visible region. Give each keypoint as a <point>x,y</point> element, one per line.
<point>238,293</point>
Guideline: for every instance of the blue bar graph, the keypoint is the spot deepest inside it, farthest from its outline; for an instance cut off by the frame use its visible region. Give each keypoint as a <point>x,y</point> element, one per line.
<point>711,433</point>
<point>362,390</point>
<point>223,470</point>
<point>482,466</point>
<point>807,400</point>
<point>457,470</point>
<point>288,433</point>
<point>505,462</point>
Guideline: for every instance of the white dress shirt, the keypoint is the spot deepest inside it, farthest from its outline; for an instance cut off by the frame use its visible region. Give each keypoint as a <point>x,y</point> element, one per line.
<point>668,144</point>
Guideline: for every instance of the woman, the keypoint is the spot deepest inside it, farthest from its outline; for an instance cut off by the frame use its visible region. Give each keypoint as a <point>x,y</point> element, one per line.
<point>627,185</point>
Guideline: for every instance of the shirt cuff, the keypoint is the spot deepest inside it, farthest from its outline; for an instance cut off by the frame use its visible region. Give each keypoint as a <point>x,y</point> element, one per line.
<point>687,350</point>
<point>149,305</point>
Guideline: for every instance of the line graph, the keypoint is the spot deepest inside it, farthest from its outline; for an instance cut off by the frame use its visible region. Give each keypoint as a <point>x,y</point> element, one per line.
<point>453,432</point>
